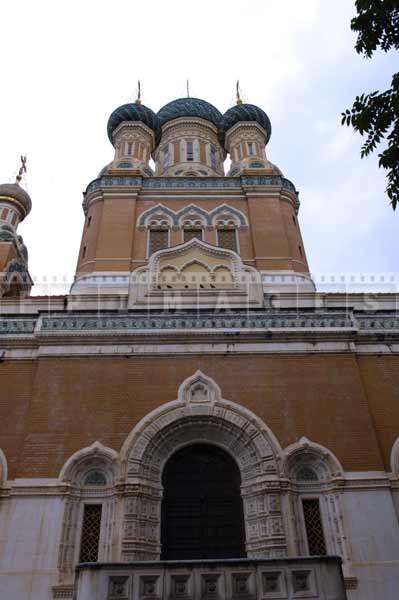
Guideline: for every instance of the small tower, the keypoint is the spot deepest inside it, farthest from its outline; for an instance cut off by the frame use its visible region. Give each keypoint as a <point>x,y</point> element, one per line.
<point>134,131</point>
<point>189,144</point>
<point>244,131</point>
<point>15,205</point>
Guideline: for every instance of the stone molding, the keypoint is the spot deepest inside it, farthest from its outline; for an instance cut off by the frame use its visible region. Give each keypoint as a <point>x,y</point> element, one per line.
<point>319,457</point>
<point>315,578</point>
<point>106,182</point>
<point>327,487</point>
<point>242,291</point>
<point>207,217</point>
<point>94,455</point>
<point>201,415</point>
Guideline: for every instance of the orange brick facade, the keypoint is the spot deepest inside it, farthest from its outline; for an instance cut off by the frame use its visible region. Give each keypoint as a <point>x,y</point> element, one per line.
<point>210,340</point>
<point>62,405</point>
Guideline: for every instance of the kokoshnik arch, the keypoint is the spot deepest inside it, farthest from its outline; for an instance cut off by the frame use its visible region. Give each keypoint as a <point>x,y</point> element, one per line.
<point>193,397</point>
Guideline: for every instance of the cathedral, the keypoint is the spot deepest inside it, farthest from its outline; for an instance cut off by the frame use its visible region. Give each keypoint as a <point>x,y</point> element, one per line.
<point>194,420</point>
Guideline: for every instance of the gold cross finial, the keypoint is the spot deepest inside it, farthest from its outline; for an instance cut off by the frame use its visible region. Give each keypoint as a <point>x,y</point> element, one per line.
<point>138,99</point>
<point>239,101</point>
<point>22,169</point>
<point>188,88</point>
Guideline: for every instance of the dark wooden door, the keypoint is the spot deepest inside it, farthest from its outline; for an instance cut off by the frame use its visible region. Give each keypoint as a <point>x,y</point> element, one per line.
<point>202,513</point>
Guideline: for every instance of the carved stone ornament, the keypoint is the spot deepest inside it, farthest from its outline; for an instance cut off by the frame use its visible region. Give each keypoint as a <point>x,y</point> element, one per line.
<point>201,415</point>
<point>195,274</point>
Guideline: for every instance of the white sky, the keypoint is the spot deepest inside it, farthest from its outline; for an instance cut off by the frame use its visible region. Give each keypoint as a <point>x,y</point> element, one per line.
<point>66,66</point>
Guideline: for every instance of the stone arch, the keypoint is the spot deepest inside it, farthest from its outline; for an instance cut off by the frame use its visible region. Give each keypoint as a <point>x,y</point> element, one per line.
<point>201,415</point>
<point>322,483</point>
<point>95,456</point>
<point>240,220</point>
<point>191,210</point>
<point>395,458</point>
<point>3,468</point>
<point>305,453</point>
<point>157,212</point>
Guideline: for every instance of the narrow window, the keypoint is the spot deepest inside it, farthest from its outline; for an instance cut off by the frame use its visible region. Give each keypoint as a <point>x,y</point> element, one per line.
<point>227,238</point>
<point>213,157</point>
<point>190,151</point>
<point>88,221</point>
<point>166,157</point>
<point>190,234</point>
<point>84,251</point>
<point>251,149</point>
<point>313,526</point>
<point>300,250</point>
<point>90,533</point>
<point>14,219</point>
<point>294,220</point>
<point>129,148</point>
<point>158,240</point>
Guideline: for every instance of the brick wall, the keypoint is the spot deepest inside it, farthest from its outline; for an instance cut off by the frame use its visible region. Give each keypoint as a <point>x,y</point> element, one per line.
<point>52,408</point>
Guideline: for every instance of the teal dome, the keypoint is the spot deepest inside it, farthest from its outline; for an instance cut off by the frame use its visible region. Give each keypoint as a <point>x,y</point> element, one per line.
<point>244,112</point>
<point>134,112</point>
<point>189,107</point>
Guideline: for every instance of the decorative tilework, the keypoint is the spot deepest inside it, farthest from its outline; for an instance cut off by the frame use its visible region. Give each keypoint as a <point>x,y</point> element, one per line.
<point>107,181</point>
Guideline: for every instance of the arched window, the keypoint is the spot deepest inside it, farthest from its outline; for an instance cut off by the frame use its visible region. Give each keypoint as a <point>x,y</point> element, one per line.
<point>312,470</point>
<point>227,238</point>
<point>213,157</point>
<point>190,151</point>
<point>166,157</point>
<point>89,507</point>
<point>158,239</point>
<point>94,477</point>
<point>306,473</point>
<point>202,514</point>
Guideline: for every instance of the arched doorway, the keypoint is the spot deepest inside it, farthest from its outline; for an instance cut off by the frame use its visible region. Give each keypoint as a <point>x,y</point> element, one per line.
<point>202,515</point>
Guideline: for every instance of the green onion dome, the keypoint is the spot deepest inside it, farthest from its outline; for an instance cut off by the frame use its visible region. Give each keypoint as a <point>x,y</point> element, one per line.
<point>244,112</point>
<point>12,191</point>
<point>189,107</point>
<point>134,112</point>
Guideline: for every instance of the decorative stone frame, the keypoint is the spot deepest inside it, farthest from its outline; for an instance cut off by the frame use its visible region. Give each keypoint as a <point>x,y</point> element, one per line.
<point>245,289</point>
<point>236,265</point>
<point>176,218</point>
<point>72,473</point>
<point>201,415</point>
<point>3,468</point>
<point>328,489</point>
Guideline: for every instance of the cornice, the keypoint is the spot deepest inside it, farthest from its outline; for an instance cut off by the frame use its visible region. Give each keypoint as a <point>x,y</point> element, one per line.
<point>344,484</point>
<point>257,183</point>
<point>377,327</point>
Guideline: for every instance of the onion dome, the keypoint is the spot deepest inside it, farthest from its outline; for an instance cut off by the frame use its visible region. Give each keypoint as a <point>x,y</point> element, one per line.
<point>134,112</point>
<point>189,107</point>
<point>12,192</point>
<point>244,112</point>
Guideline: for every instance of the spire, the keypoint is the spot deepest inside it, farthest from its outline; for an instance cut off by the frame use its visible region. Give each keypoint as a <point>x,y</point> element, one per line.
<point>138,99</point>
<point>188,88</point>
<point>239,101</point>
<point>22,169</point>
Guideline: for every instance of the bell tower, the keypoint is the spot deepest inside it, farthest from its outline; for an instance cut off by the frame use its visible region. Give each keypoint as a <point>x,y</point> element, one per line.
<point>201,230</point>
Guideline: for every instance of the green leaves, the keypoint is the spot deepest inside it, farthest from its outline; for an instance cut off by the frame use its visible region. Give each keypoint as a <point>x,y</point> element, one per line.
<point>377,24</point>
<point>376,114</point>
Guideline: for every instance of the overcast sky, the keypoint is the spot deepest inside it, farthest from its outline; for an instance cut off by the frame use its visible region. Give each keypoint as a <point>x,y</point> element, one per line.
<point>66,66</point>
